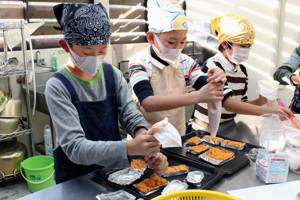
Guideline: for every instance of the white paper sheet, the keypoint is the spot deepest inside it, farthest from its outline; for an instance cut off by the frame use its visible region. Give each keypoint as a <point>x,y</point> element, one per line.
<point>282,191</point>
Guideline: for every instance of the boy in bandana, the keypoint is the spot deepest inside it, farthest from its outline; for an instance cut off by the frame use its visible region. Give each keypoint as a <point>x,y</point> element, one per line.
<point>236,35</point>
<point>160,73</point>
<point>87,98</point>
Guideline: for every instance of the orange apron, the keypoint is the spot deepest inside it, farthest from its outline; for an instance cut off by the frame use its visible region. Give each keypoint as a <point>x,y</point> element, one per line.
<point>166,82</point>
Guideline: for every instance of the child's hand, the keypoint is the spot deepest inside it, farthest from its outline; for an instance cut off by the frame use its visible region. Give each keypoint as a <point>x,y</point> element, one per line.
<point>296,79</point>
<point>210,92</point>
<point>143,145</point>
<point>216,75</point>
<point>282,111</point>
<point>262,100</point>
<point>159,164</point>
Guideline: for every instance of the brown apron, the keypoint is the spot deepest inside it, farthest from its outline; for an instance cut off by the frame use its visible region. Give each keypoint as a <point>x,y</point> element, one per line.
<point>166,82</point>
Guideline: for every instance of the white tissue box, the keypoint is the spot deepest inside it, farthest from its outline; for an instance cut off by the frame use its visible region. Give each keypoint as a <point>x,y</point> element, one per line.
<point>272,167</point>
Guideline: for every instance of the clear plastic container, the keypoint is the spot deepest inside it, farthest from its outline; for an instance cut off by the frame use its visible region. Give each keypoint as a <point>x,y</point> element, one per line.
<point>270,130</point>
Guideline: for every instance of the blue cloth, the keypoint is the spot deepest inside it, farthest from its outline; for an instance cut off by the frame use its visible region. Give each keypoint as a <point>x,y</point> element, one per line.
<point>99,120</point>
<point>83,24</point>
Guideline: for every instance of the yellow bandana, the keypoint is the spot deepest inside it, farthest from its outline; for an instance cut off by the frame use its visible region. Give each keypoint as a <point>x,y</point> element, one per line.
<point>233,28</point>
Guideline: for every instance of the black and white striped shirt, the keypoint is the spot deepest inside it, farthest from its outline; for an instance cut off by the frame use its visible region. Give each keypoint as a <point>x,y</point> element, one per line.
<point>236,85</point>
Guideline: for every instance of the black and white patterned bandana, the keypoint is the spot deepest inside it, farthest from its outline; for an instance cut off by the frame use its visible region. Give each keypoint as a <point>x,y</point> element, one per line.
<point>83,24</point>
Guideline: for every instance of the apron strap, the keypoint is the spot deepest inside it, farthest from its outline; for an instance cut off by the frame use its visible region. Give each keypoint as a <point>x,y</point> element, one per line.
<point>109,79</point>
<point>109,82</point>
<point>68,85</point>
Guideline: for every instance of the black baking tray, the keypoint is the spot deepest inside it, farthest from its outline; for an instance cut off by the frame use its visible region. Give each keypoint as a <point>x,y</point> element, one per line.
<point>211,173</point>
<point>230,167</point>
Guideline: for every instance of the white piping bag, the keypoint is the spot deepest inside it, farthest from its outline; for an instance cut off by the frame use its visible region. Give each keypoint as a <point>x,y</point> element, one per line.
<point>214,110</point>
<point>166,134</point>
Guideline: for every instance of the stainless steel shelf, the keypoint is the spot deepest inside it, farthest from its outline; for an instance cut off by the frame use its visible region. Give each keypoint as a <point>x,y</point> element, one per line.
<point>16,134</point>
<point>12,73</point>
<point>28,130</point>
<point>4,26</point>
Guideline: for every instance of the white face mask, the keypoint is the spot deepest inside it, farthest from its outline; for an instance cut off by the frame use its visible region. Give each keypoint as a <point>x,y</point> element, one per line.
<point>171,56</point>
<point>238,55</point>
<point>89,64</point>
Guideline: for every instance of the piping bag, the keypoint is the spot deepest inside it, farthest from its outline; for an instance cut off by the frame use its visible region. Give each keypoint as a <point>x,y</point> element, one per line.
<point>294,120</point>
<point>269,90</point>
<point>214,111</point>
<point>166,134</point>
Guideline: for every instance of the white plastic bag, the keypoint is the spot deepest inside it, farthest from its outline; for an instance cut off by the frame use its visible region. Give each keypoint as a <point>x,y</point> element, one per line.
<point>268,89</point>
<point>214,110</point>
<point>166,134</point>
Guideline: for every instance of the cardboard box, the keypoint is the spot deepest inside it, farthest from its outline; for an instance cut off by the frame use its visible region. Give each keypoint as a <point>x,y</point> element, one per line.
<point>272,167</point>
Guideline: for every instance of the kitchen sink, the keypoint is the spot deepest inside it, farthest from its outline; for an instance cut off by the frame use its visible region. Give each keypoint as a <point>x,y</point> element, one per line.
<point>41,79</point>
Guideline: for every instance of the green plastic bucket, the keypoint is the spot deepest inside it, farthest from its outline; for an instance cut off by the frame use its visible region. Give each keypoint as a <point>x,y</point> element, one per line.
<point>39,171</point>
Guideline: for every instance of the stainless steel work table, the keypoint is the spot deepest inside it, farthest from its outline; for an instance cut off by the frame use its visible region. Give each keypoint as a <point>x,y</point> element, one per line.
<point>87,187</point>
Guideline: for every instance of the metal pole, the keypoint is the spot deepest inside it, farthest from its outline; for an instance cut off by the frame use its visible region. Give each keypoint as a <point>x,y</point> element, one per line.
<point>5,44</point>
<point>5,54</point>
<point>29,114</point>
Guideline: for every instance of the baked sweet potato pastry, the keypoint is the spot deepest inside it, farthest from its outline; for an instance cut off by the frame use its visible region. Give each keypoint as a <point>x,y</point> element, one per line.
<point>194,139</point>
<point>238,144</point>
<point>216,139</point>
<point>199,148</point>
<point>176,168</point>
<point>220,153</point>
<point>151,183</point>
<point>137,163</point>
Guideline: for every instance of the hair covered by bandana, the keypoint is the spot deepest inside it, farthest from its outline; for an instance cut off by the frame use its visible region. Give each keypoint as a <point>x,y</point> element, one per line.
<point>165,16</point>
<point>83,24</point>
<point>233,28</point>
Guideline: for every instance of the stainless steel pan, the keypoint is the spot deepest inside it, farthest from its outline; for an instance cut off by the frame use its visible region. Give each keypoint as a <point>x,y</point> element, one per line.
<point>13,108</point>
<point>9,125</point>
<point>12,153</point>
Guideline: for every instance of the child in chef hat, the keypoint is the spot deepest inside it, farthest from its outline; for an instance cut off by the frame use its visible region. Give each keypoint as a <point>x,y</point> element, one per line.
<point>236,36</point>
<point>87,98</point>
<point>159,74</point>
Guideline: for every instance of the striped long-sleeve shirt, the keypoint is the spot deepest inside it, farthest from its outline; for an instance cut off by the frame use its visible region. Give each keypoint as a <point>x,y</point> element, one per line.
<point>140,72</point>
<point>236,85</point>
